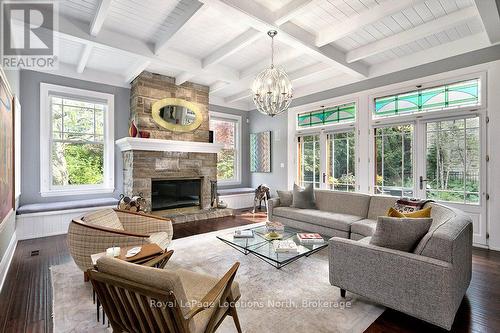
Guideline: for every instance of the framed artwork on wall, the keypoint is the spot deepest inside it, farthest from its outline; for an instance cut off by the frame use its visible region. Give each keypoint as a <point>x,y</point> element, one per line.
<point>6,149</point>
<point>260,152</point>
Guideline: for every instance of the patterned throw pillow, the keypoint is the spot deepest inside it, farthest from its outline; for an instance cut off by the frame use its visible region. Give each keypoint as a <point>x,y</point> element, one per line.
<point>408,205</point>
<point>422,213</point>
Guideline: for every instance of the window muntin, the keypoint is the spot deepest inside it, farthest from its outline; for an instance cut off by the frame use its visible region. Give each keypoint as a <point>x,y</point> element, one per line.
<point>334,115</point>
<point>226,133</point>
<point>77,142</point>
<point>309,160</point>
<point>460,94</point>
<point>341,161</point>
<point>394,160</point>
<point>453,160</point>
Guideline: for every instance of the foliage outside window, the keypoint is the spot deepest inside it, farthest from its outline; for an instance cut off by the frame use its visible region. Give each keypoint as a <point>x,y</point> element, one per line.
<point>334,115</point>
<point>341,161</point>
<point>309,161</point>
<point>77,148</point>
<point>225,132</point>
<point>453,160</point>
<point>394,160</point>
<point>447,96</point>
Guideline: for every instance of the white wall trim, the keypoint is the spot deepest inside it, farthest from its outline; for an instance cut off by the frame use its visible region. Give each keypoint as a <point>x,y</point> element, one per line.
<point>46,189</point>
<point>7,259</point>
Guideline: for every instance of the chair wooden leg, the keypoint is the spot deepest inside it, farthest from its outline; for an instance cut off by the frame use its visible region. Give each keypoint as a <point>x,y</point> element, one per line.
<point>342,293</point>
<point>86,277</point>
<point>234,314</point>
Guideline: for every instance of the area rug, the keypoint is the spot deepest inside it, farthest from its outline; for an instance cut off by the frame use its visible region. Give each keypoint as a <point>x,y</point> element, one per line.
<point>296,298</point>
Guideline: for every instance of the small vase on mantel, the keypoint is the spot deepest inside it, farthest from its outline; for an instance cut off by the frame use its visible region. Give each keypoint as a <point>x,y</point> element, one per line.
<point>132,130</point>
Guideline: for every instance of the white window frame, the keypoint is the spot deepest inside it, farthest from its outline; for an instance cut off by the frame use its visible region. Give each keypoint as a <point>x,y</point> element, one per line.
<point>46,187</point>
<point>237,143</point>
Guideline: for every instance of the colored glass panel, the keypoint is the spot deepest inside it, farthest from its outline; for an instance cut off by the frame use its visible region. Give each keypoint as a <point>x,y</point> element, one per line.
<point>337,114</point>
<point>442,97</point>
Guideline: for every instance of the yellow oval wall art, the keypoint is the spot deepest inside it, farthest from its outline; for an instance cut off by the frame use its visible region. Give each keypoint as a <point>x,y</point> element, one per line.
<point>177,115</point>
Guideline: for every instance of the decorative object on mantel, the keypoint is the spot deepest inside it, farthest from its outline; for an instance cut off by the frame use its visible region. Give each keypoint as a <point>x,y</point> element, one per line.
<point>132,130</point>
<point>272,89</point>
<point>135,204</point>
<point>262,192</point>
<point>260,152</point>
<point>144,134</point>
<point>177,115</point>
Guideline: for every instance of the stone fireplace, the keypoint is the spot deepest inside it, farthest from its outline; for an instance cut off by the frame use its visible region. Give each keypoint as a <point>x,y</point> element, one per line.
<point>166,155</point>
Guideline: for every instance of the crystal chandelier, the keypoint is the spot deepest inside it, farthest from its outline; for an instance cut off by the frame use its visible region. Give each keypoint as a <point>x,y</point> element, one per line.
<point>272,90</point>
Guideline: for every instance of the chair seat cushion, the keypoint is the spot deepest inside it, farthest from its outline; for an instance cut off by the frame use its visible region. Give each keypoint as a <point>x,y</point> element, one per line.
<point>318,217</point>
<point>104,218</point>
<point>197,285</point>
<point>160,238</point>
<point>364,227</point>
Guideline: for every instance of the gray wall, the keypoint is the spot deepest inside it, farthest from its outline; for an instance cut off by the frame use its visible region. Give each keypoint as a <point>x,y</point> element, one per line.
<point>30,153</point>
<point>277,178</point>
<point>245,139</point>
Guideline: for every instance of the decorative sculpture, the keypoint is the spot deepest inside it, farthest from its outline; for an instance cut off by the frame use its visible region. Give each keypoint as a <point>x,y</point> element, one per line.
<point>262,192</point>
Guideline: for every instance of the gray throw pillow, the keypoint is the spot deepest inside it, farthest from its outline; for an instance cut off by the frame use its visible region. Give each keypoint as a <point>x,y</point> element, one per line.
<point>400,233</point>
<point>303,198</point>
<point>286,198</point>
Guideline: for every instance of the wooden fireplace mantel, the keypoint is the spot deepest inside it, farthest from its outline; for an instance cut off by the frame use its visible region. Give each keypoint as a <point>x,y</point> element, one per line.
<point>130,143</point>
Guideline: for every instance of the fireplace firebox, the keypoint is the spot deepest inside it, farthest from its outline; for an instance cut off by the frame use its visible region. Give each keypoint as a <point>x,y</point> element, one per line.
<point>175,193</point>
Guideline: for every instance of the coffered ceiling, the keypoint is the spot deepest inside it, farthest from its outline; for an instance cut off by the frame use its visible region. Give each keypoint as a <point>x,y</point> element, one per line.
<point>223,43</point>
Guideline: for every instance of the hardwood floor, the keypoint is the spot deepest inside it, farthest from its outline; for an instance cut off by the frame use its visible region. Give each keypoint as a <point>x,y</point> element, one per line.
<point>26,298</point>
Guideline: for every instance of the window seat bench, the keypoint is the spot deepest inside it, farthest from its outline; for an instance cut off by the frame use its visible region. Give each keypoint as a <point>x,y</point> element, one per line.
<point>49,219</point>
<point>237,198</point>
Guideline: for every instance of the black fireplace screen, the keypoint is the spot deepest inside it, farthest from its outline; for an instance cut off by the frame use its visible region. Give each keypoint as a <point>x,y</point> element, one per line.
<point>169,194</point>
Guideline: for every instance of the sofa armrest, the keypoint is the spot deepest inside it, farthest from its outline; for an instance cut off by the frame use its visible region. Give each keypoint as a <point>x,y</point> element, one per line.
<point>411,283</point>
<point>272,203</point>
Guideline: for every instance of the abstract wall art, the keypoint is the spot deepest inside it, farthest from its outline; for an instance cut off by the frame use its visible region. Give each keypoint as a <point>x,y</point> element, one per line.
<point>260,152</point>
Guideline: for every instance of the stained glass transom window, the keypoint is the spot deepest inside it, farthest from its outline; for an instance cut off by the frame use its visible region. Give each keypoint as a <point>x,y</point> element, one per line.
<point>337,114</point>
<point>453,95</point>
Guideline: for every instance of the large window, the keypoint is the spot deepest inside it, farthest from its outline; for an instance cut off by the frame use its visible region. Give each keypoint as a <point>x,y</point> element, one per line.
<point>227,130</point>
<point>77,141</point>
<point>460,94</point>
<point>309,160</point>
<point>394,160</point>
<point>453,160</point>
<point>341,161</point>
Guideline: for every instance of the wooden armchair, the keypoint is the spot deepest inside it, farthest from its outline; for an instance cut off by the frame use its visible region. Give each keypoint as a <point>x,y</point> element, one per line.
<point>145,299</point>
<point>97,231</point>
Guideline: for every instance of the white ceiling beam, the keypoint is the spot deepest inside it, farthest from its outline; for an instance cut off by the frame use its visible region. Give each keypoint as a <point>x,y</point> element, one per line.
<point>139,66</point>
<point>188,8</point>
<point>183,77</point>
<point>490,15</point>
<point>357,22</point>
<point>100,16</point>
<point>117,42</point>
<point>258,17</point>
<point>436,53</point>
<point>291,10</point>
<point>217,86</point>
<point>279,59</point>
<point>294,76</point>
<point>413,34</point>
<point>231,47</point>
<point>84,58</point>
<point>330,83</point>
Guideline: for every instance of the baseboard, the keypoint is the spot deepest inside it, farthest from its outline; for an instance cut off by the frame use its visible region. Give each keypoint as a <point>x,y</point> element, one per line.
<point>7,259</point>
<point>44,224</point>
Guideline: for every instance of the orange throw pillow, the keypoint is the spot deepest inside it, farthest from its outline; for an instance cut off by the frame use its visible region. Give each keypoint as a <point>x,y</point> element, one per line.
<point>423,213</point>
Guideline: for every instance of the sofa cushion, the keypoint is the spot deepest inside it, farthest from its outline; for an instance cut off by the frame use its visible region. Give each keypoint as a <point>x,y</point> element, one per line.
<point>286,198</point>
<point>401,234</point>
<point>104,218</point>
<point>318,217</point>
<point>342,202</point>
<point>303,198</point>
<point>365,227</point>
<point>379,205</point>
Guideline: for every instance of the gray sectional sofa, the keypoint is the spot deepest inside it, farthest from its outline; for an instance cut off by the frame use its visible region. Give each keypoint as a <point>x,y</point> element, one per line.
<point>428,283</point>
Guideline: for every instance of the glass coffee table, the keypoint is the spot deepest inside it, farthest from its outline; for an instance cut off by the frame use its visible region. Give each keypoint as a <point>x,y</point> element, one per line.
<point>263,248</point>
